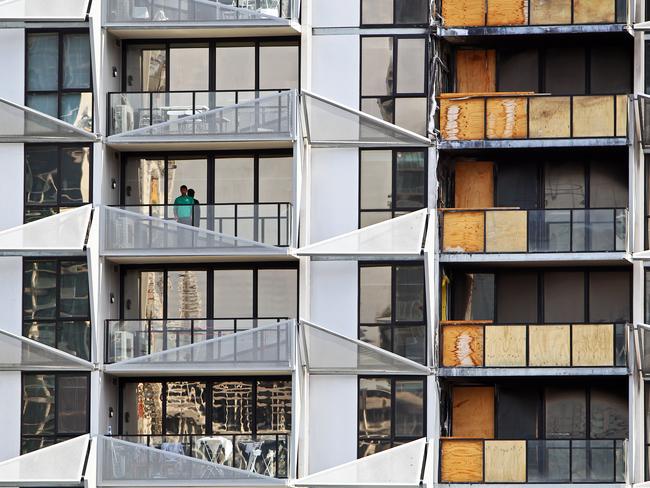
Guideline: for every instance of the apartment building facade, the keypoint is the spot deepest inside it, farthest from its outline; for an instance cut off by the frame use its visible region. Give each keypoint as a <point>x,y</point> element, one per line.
<point>321,243</point>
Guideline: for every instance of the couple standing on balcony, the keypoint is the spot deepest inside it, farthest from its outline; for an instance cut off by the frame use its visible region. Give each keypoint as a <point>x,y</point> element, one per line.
<point>187,209</point>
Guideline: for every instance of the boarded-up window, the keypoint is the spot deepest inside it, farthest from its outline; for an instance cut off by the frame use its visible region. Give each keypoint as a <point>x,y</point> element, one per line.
<point>566,413</point>
<point>564,297</point>
<point>516,298</point>
<point>564,72</point>
<point>517,413</point>
<point>609,296</point>
<point>611,70</point>
<point>518,70</point>
<point>473,296</point>
<point>517,185</point>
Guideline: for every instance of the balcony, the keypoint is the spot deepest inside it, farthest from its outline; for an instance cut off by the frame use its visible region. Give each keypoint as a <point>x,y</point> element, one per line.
<point>492,16</point>
<point>470,120</point>
<point>532,461</point>
<point>128,339</point>
<point>201,18</point>
<point>470,345</point>
<point>508,232</point>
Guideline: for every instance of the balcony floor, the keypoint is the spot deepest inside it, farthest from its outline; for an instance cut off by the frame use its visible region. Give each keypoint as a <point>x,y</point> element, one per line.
<point>200,30</point>
<point>544,259</point>
<point>547,371</point>
<point>533,143</point>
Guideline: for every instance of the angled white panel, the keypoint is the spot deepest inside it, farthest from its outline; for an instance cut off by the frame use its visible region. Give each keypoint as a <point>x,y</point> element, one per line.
<point>267,349</point>
<point>61,464</point>
<point>23,124</point>
<point>63,233</point>
<point>125,233</point>
<point>45,10</point>
<point>22,354</point>
<point>326,352</point>
<point>269,118</point>
<point>400,466</point>
<point>330,124</point>
<point>401,236</point>
<point>642,256</point>
<point>123,463</point>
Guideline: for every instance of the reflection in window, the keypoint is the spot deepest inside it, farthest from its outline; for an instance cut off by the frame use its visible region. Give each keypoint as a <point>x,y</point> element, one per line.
<point>473,296</point>
<point>396,12</point>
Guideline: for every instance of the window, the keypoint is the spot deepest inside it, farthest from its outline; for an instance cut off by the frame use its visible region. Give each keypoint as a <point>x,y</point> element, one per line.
<point>394,12</point>
<point>392,308</point>
<point>59,80</point>
<point>516,297</point>
<point>517,70</point>
<point>56,308</point>
<point>56,178</point>
<point>224,420</point>
<point>392,183</point>
<point>55,408</point>
<point>564,296</point>
<point>391,412</point>
<point>394,80</point>
<point>472,296</point>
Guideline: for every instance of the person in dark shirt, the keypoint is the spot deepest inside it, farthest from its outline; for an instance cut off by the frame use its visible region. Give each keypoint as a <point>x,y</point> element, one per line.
<point>196,208</point>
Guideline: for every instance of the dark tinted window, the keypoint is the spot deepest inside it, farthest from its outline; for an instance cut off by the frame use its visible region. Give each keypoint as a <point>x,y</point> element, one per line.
<point>473,296</point>
<point>609,296</point>
<point>518,70</point>
<point>564,297</point>
<point>517,413</point>
<point>517,185</point>
<point>566,413</point>
<point>611,70</point>
<point>565,71</point>
<point>516,298</point>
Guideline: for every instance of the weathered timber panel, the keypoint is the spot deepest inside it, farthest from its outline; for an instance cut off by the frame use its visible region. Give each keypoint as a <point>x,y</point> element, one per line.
<point>463,12</point>
<point>549,117</point>
<point>593,345</point>
<point>462,345</point>
<point>461,461</point>
<point>462,120</point>
<point>550,12</point>
<point>505,461</point>
<point>506,231</point>
<point>505,345</point>
<point>621,115</point>
<point>476,70</point>
<point>474,184</point>
<point>473,412</point>
<point>507,12</point>
<point>506,118</point>
<point>548,345</point>
<point>463,232</point>
<point>593,11</point>
<point>593,116</point>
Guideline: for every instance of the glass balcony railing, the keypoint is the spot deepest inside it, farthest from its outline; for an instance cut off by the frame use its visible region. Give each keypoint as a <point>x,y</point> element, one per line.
<point>532,461</point>
<point>265,454</point>
<point>508,116</point>
<point>131,338</point>
<point>507,230</point>
<point>483,344</point>
<point>125,12</point>
<point>135,110</point>
<point>266,223</point>
<point>492,13</point>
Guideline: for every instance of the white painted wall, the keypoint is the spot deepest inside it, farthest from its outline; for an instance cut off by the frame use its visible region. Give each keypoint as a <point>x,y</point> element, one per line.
<point>10,412</point>
<point>336,67</point>
<point>335,13</point>
<point>12,185</point>
<point>12,59</point>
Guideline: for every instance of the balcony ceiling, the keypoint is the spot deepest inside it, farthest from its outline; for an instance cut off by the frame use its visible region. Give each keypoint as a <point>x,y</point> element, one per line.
<point>43,10</point>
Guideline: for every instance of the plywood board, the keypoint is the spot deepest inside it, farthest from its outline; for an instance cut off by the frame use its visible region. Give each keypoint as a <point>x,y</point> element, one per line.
<point>474,184</point>
<point>505,346</point>
<point>472,413</point>
<point>462,120</point>
<point>594,11</point>
<point>506,231</point>
<point>550,12</point>
<point>507,12</point>
<point>549,117</point>
<point>593,345</point>
<point>506,118</point>
<point>461,461</point>
<point>462,345</point>
<point>593,116</point>
<point>621,115</point>
<point>463,13</point>
<point>463,232</point>
<point>475,70</point>
<point>505,461</point>
<point>548,345</point>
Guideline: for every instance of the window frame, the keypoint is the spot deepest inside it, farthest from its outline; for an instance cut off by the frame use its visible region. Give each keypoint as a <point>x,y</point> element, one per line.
<point>56,436</point>
<point>392,24</point>
<point>58,206</point>
<point>60,92</point>
<point>393,439</point>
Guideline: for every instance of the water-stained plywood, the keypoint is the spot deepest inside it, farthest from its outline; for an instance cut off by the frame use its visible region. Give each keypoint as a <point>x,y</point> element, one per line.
<point>472,413</point>
<point>462,345</point>
<point>507,12</point>
<point>549,117</point>
<point>506,231</point>
<point>621,115</point>
<point>475,70</point>
<point>505,346</point>
<point>549,345</point>
<point>461,461</point>
<point>458,13</point>
<point>593,116</point>
<point>594,11</point>
<point>463,232</point>
<point>550,12</point>
<point>593,345</point>
<point>462,120</point>
<point>473,184</point>
<point>507,118</point>
<point>505,461</point>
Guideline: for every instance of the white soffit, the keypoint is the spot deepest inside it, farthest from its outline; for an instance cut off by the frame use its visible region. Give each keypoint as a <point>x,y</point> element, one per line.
<point>22,354</point>
<point>400,466</point>
<point>401,236</point>
<point>123,463</point>
<point>60,234</point>
<point>23,124</point>
<point>43,10</point>
<point>326,352</point>
<point>267,349</point>
<point>330,124</point>
<point>61,464</point>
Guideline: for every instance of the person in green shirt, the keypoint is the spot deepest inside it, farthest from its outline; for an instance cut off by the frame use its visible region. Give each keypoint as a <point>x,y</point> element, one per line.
<point>183,207</point>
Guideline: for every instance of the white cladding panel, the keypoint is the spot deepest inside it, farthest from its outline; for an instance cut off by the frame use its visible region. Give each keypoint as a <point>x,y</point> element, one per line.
<point>335,13</point>
<point>336,67</point>
<point>10,412</point>
<point>12,59</point>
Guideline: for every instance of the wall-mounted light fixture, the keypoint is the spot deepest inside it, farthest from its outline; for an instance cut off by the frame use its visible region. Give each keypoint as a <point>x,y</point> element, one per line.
<point>114,71</point>
<point>111,412</point>
<point>113,183</point>
<point>112,298</point>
